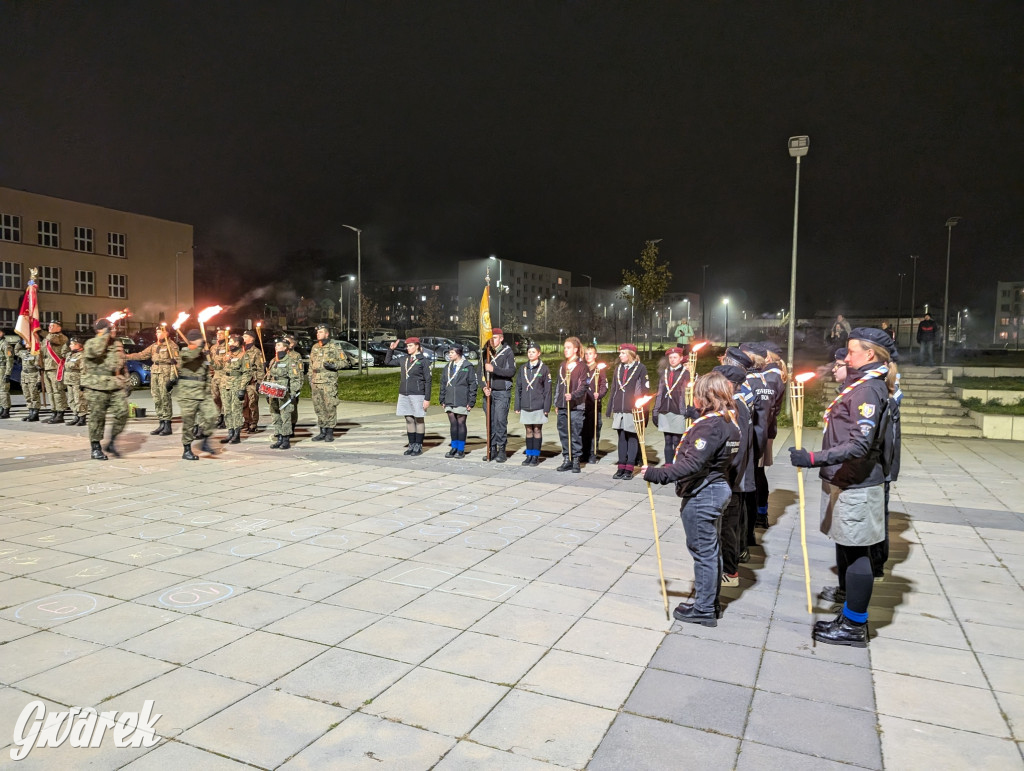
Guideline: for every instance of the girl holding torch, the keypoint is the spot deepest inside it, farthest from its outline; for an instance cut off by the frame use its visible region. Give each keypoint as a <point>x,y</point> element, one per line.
<point>629,384</point>
<point>670,403</point>
<point>853,477</point>
<point>701,471</point>
<point>597,387</point>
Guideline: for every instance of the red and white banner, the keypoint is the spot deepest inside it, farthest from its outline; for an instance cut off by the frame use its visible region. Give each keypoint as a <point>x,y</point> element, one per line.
<point>28,318</point>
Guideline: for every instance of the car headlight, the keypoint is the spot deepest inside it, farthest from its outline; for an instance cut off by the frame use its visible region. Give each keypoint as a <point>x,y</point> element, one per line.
<point>146,367</point>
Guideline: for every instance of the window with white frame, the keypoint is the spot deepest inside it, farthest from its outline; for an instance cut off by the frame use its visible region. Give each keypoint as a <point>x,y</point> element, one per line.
<point>83,239</point>
<point>10,227</point>
<point>115,245</point>
<point>10,275</point>
<point>45,317</point>
<point>85,282</point>
<point>118,286</point>
<point>49,279</point>
<point>48,233</point>
<point>8,318</point>
<point>84,321</point>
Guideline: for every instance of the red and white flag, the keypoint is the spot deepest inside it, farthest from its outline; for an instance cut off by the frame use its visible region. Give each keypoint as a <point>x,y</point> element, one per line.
<point>28,318</point>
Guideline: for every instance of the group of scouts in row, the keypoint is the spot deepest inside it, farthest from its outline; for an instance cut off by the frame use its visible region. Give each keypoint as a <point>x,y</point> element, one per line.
<point>217,385</point>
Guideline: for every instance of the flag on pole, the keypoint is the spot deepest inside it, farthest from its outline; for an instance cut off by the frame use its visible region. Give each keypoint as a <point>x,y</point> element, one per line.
<point>485,318</point>
<point>28,318</point>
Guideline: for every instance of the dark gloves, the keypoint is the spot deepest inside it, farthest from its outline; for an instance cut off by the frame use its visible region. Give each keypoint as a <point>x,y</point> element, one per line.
<point>654,415</point>
<point>691,412</point>
<point>802,458</point>
<point>330,366</point>
<point>241,395</point>
<point>171,384</point>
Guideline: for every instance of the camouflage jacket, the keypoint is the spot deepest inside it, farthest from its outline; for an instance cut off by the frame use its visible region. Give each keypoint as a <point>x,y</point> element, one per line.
<point>236,373</point>
<point>29,364</point>
<point>218,355</point>
<point>6,357</point>
<point>103,368</point>
<point>59,343</point>
<point>73,367</point>
<point>287,371</point>
<point>192,374</point>
<point>321,354</point>
<point>164,356</point>
<point>255,363</point>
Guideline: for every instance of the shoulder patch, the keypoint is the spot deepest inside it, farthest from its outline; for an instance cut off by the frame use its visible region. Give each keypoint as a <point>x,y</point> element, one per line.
<point>700,444</point>
<point>865,428</point>
<point>867,410</point>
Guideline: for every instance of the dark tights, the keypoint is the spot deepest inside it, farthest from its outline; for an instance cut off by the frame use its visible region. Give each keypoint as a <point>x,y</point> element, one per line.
<point>671,442</point>
<point>855,576</point>
<point>457,424</point>
<point>629,448</point>
<point>534,440</point>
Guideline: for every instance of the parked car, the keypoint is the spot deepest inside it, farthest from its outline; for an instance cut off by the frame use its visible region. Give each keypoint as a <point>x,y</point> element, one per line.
<point>439,345</point>
<point>470,347</point>
<point>353,354</point>
<point>401,352</point>
<point>381,335</point>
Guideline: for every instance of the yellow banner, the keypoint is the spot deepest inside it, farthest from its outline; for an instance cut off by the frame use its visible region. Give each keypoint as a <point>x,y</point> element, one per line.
<point>485,319</point>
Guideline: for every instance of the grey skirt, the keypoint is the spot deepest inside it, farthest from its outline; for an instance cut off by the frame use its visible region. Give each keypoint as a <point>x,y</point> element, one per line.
<point>854,517</point>
<point>623,421</point>
<point>533,418</point>
<point>411,404</point>
<point>671,423</point>
<point>456,410</point>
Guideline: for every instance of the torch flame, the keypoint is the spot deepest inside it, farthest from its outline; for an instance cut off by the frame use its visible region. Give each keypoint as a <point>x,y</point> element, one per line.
<point>116,316</point>
<point>182,318</point>
<point>698,346</point>
<point>208,313</point>
<point>804,377</point>
<point>642,401</point>
<point>259,323</point>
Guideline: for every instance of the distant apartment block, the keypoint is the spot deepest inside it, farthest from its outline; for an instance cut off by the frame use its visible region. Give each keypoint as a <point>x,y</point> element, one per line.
<point>1009,312</point>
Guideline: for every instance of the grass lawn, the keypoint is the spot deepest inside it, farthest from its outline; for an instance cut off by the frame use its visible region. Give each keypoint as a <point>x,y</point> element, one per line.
<point>994,407</point>
<point>990,383</point>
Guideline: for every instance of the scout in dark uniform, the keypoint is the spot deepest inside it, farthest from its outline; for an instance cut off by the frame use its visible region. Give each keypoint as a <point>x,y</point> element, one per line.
<point>768,381</point>
<point>853,478</point>
<point>597,387</point>
<point>497,377</point>
<point>629,383</point>
<point>703,462</point>
<point>734,357</point>
<point>458,397</point>
<point>413,392</point>
<point>670,403</point>
<point>741,479</point>
<point>533,401</point>
<point>570,403</point>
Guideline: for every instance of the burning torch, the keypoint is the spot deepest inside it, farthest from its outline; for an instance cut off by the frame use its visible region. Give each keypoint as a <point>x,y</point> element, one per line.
<point>597,383</point>
<point>176,326</point>
<point>259,333</point>
<point>205,315</point>
<point>796,403</point>
<point>638,420</point>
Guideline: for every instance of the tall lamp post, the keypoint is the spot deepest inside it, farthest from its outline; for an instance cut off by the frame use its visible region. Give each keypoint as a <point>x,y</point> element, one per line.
<point>950,224</point>
<point>359,290</point>
<point>913,299</point>
<point>798,147</point>
<point>725,302</point>
<point>899,309</point>
<point>341,299</point>
<point>590,297</point>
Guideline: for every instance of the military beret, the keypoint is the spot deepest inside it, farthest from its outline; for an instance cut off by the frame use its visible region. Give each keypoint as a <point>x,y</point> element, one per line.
<point>497,331</point>
<point>739,357</point>
<point>194,336</point>
<point>627,347</point>
<point>877,336</point>
<point>674,350</point>
<point>74,340</point>
<point>281,341</point>
<point>322,326</point>
<point>101,324</point>
<point>758,349</point>
<point>55,321</point>
<point>840,354</point>
<point>249,333</point>
<point>735,375</point>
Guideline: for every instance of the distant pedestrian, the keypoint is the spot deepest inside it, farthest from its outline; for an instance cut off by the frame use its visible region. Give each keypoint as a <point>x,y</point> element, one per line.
<point>838,333</point>
<point>927,331</point>
<point>684,334</point>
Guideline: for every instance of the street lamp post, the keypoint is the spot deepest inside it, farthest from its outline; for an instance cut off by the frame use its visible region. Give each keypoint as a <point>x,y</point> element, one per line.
<point>501,287</point>
<point>341,300</point>
<point>899,309</point>
<point>359,290</point>
<point>725,302</point>
<point>590,297</point>
<point>913,299</point>
<point>798,147</point>
<point>950,224</point>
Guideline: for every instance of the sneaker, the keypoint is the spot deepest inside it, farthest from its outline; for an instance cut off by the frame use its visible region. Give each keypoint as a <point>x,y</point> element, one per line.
<point>745,556</point>
<point>730,579</point>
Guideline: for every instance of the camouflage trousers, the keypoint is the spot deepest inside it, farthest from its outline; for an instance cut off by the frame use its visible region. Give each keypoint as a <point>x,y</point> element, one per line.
<point>202,411</point>
<point>77,403</point>
<point>218,381</point>
<point>5,393</point>
<point>161,396</point>
<point>325,404</point>
<point>283,416</point>
<point>55,391</point>
<point>251,407</point>
<point>30,387</point>
<point>99,403</point>
<point>232,406</point>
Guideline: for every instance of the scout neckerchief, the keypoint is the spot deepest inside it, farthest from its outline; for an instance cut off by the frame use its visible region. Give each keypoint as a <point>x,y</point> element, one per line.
<point>870,375</point>
<point>526,373</point>
<point>410,362</point>
<point>670,388</point>
<point>705,416</point>
<point>454,367</point>
<point>567,367</point>
<point>624,369</point>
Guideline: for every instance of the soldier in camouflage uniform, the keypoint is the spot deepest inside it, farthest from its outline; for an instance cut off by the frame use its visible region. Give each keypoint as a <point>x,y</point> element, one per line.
<point>7,348</point>
<point>53,350</point>
<point>285,369</point>
<point>256,365</point>
<point>292,342</point>
<point>30,381</point>
<point>325,359</point>
<point>163,372</point>
<point>218,353</point>
<point>105,383</point>
<point>235,378</point>
<point>193,393</point>
<point>73,368</point>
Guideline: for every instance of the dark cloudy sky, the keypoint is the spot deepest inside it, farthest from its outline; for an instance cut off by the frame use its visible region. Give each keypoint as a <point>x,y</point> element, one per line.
<point>562,133</point>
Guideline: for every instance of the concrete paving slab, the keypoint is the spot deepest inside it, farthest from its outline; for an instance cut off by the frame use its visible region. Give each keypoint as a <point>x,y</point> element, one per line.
<point>177,755</point>
<point>912,744</point>
<point>93,678</point>
<point>344,678</point>
<point>487,658</point>
<point>467,756</point>
<point>185,639</point>
<point>642,744</point>
<point>712,659</point>
<point>598,682</point>
<point>691,701</point>
<point>259,657</point>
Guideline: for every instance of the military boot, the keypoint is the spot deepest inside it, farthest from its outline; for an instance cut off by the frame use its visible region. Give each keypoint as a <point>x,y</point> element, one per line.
<point>188,454</point>
<point>97,452</point>
<point>321,436</point>
<point>502,457</point>
<point>229,437</point>
<point>575,467</point>
<point>285,443</point>
<point>159,430</point>
<point>566,464</point>
<point>276,445</point>
<point>166,430</point>
<point>330,435</point>
<point>205,446</point>
<point>32,417</point>
<point>5,412</point>
<point>237,437</point>
<point>111,449</point>
<point>220,422</point>
<point>57,417</point>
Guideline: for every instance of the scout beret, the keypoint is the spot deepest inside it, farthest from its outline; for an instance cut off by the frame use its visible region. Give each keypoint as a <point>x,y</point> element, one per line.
<point>877,336</point>
<point>627,347</point>
<point>759,349</point>
<point>841,354</point>
<point>772,347</point>
<point>497,331</point>
<point>413,340</point>
<point>735,375</point>
<point>738,356</point>
<point>674,350</point>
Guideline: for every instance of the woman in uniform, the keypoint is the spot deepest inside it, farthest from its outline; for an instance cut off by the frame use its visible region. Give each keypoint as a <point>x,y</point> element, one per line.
<point>570,403</point>
<point>458,397</point>
<point>533,401</point>
<point>628,384</point>
<point>234,377</point>
<point>853,478</point>
<point>597,387</point>
<point>670,403</point>
<point>413,392</point>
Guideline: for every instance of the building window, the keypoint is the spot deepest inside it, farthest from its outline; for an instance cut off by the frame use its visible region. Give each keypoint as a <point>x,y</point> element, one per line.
<point>10,275</point>
<point>47,317</point>
<point>83,239</point>
<point>559,280</point>
<point>8,317</point>
<point>1005,307</point>
<point>115,245</point>
<point>49,234</point>
<point>10,227</point>
<point>118,286</point>
<point>84,321</point>
<point>49,279</point>
<point>85,282</point>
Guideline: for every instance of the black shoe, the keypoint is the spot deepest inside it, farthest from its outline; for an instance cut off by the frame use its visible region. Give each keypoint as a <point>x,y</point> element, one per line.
<point>417,449</point>
<point>575,467</point>
<point>460,454</point>
<point>236,437</point>
<point>166,431</point>
<point>205,446</point>
<point>111,449</point>
<point>321,436</point>
<point>627,475</point>
<point>536,460</point>
<point>277,444</point>
<point>566,465</point>
<point>502,457</point>
<point>488,455</point>
<point>593,459</point>
<point>832,594</point>
<point>528,461</point>
<point>188,454</point>
<point>285,443</point>
<point>822,625</point>
<point>619,473</point>
<point>97,453</point>
<point>762,521</point>
<point>330,435</point>
<point>409,451</point>
<point>843,631</point>
<point>691,615</point>
<point>745,556</point>
<point>57,417</point>
<point>220,422</point>
<point>159,430</point>
<point>451,453</point>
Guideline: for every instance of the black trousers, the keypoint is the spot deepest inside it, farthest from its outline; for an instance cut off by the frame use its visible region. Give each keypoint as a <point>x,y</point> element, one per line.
<point>570,429</point>
<point>590,438</point>
<point>498,416</point>
<point>732,535</point>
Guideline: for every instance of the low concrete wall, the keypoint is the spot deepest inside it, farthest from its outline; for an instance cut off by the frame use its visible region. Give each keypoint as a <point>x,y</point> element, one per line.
<point>1004,397</point>
<point>1000,426</point>
<point>951,372</point>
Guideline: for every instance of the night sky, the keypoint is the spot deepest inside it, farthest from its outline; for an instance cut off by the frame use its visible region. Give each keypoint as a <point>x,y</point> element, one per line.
<point>560,133</point>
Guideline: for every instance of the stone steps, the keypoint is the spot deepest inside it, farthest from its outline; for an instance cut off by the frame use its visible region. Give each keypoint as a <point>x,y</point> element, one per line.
<point>909,411</point>
<point>930,408</point>
<point>927,429</point>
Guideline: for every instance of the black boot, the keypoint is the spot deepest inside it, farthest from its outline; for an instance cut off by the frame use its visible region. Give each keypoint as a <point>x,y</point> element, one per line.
<point>111,449</point>
<point>72,422</point>
<point>691,615</point>
<point>229,437</point>
<point>32,417</point>
<point>575,467</point>
<point>502,457</point>
<point>5,412</point>
<point>188,454</point>
<point>321,436</point>
<point>220,422</point>
<point>166,430</point>
<point>330,435</point>
<point>57,417</point>
<point>205,446</point>
<point>843,631</point>
<point>566,464</point>
<point>83,420</point>
<point>159,430</point>
<point>451,453</point>
<point>417,449</point>
<point>285,443</point>
<point>277,444</point>
<point>236,437</point>
<point>97,452</point>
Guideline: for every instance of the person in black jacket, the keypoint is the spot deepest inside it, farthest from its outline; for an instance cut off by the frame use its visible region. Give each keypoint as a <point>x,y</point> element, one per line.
<point>458,397</point>
<point>927,331</point>
<point>701,471</point>
<point>629,384</point>
<point>570,404</point>
<point>413,392</point>
<point>853,478</point>
<point>741,479</point>
<point>497,376</point>
<point>597,387</point>
<point>533,401</point>
<point>670,403</point>
<point>768,382</point>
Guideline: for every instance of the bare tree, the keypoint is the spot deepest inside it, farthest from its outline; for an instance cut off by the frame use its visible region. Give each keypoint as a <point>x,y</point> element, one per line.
<point>649,278</point>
